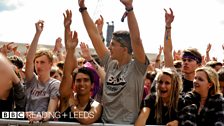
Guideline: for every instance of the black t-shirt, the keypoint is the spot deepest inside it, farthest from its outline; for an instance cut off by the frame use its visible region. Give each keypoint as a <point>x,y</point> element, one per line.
<point>150,103</point>
<point>187,85</point>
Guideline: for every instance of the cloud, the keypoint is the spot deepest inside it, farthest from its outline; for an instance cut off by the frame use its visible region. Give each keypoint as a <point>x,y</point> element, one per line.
<point>7,5</point>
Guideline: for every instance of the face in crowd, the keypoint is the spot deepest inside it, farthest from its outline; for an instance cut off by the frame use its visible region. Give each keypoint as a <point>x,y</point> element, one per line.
<point>206,81</point>
<point>169,83</point>
<point>83,81</point>
<point>43,62</point>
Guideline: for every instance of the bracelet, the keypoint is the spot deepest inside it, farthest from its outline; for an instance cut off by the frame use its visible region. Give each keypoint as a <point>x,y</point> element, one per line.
<point>168,27</point>
<point>126,13</point>
<point>129,9</point>
<point>81,9</point>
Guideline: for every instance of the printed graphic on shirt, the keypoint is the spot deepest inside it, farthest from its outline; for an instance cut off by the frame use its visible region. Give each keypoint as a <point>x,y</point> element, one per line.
<point>114,83</point>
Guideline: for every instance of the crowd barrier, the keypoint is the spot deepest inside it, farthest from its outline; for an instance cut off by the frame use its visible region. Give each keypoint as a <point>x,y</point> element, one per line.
<point>10,122</point>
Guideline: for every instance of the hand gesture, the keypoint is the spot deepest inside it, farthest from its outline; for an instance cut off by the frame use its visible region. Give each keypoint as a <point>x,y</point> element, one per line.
<point>58,44</point>
<point>160,50</point>
<point>127,3</point>
<point>67,18</point>
<point>85,51</point>
<point>72,40</point>
<point>177,55</point>
<point>15,51</point>
<point>81,3</point>
<point>9,46</point>
<point>214,59</point>
<point>99,24</point>
<point>209,46</point>
<point>169,17</point>
<point>39,26</point>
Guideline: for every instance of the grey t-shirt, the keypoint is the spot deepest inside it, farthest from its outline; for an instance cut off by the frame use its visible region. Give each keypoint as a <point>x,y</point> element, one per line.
<point>38,94</point>
<point>122,91</point>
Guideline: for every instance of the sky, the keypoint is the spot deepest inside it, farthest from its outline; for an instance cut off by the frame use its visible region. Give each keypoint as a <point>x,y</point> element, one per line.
<point>196,23</point>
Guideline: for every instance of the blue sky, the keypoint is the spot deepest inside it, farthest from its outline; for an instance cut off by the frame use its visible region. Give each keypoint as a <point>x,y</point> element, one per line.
<point>197,22</point>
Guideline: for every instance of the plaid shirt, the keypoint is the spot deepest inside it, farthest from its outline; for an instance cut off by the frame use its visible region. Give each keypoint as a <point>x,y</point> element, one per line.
<point>212,114</point>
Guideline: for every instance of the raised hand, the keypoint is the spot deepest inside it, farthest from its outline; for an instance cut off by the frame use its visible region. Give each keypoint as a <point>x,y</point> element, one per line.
<point>160,49</point>
<point>169,17</point>
<point>39,26</point>
<point>81,3</point>
<point>127,3</point>
<point>67,18</point>
<point>99,24</point>
<point>72,40</point>
<point>209,46</point>
<point>214,59</point>
<point>58,44</point>
<point>85,51</point>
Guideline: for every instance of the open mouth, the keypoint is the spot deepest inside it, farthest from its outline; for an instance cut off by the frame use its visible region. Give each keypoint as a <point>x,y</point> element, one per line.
<point>163,92</point>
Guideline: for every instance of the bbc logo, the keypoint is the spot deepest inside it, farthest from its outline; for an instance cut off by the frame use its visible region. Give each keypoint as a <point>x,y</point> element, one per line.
<point>13,115</point>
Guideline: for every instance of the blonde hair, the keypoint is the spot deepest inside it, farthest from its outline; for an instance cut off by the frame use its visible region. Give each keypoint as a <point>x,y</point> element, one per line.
<point>213,78</point>
<point>45,52</point>
<point>176,88</point>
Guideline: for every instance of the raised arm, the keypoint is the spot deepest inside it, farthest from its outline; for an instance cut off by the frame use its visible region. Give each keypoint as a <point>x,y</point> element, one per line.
<point>58,49</point>
<point>207,57</point>
<point>69,65</point>
<point>87,56</point>
<point>157,63</point>
<point>99,24</point>
<point>168,58</point>
<point>136,41</point>
<point>32,50</point>
<point>67,23</point>
<point>92,30</point>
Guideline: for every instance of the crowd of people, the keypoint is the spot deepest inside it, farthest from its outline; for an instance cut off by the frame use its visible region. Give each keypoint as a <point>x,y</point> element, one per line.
<point>119,86</point>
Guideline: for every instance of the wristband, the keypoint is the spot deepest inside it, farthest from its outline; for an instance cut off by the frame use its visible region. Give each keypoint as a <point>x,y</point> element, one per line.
<point>129,9</point>
<point>168,27</point>
<point>81,9</point>
<point>126,13</point>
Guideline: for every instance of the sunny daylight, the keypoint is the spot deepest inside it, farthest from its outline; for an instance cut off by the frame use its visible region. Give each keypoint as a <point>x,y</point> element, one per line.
<point>112,62</point>
<point>196,24</point>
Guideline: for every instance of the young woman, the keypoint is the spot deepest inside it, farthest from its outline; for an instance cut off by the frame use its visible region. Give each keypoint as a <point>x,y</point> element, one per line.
<point>205,104</point>
<point>162,107</point>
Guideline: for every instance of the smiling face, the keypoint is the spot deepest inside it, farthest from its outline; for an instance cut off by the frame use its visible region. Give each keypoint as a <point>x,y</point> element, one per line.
<point>83,84</point>
<point>201,83</point>
<point>164,86</point>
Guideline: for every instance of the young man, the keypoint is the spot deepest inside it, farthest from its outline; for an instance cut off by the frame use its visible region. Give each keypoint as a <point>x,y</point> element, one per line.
<point>191,59</point>
<point>123,87</point>
<point>41,90</point>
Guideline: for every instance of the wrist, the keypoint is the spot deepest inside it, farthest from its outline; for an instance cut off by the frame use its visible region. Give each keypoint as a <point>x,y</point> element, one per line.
<point>128,9</point>
<point>168,27</point>
<point>81,9</point>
